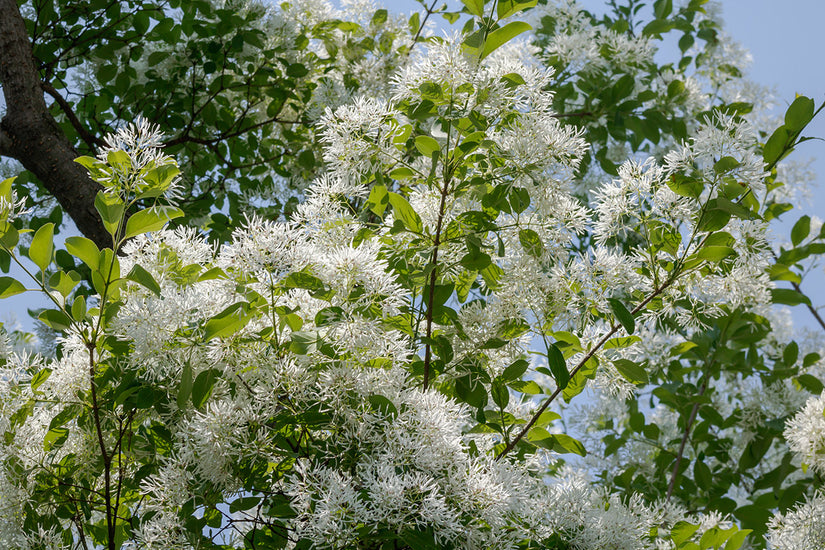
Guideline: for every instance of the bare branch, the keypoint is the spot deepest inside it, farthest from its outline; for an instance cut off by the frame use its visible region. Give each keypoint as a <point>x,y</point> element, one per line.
<point>90,139</point>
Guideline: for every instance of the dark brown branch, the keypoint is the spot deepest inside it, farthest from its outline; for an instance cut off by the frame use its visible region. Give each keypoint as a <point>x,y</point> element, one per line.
<point>91,140</point>
<point>685,437</point>
<point>615,328</point>
<point>810,307</point>
<point>430,11</point>
<point>107,458</point>
<point>434,277</point>
<point>184,138</point>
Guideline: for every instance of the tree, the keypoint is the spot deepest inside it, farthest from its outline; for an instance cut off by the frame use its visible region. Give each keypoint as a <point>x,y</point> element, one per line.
<point>385,367</point>
<point>231,86</point>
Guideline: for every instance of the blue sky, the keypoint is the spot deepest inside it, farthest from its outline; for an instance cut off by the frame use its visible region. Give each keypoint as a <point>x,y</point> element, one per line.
<point>787,42</point>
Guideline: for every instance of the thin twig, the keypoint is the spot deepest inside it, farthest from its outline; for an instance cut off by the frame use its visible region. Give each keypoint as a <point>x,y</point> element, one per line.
<point>430,11</point>
<point>91,140</point>
<point>810,307</point>
<point>615,328</point>
<point>685,437</point>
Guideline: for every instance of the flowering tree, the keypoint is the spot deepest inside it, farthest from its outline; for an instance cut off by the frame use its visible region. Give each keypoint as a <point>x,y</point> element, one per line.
<point>401,362</point>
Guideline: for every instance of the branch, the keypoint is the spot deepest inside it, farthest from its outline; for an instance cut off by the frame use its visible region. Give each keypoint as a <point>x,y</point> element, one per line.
<point>91,140</point>
<point>613,330</point>
<point>685,437</point>
<point>430,11</point>
<point>433,279</point>
<point>796,287</point>
<point>185,138</point>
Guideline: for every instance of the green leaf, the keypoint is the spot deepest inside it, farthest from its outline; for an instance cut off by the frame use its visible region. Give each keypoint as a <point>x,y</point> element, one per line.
<point>633,372</point>
<point>39,377</point>
<point>85,250</point>
<point>579,380</point>
<point>512,80</point>
<point>159,179</point>
<point>526,386</point>
<point>70,412</point>
<point>738,539</point>
<point>110,208</point>
<point>227,322</point>
<point>302,279</point>
<point>800,230</point>
<point>501,36</point>
<point>754,515</point>
<point>404,212</point>
<point>378,200</point>
<point>202,387</point>
<point>304,342</point>
<point>702,474</point>
<point>789,297</point>
<point>383,405</point>
<point>106,73</point>
<point>475,7</point>
<point>715,253</point>
<point>775,146</point>
<point>426,145</point>
<point>42,247</point>
<point>500,393</point>
<point>569,444</point>
<point>531,242</point>
<point>657,27</point>
<point>150,219</point>
<point>623,315</point>
<point>558,366</point>
<point>55,319</point>
<point>662,8</point>
<point>682,532</point>
<point>713,219</point>
<point>780,272</point>
<point>120,161</point>
<point>55,438</point>
<point>9,286</point>
<point>244,503</point>
<point>79,308</point>
<point>139,275</point>
<point>726,164</point>
<point>64,282</point>
<point>475,260</point>
<point>799,114</point>
<point>810,383</point>
<point>790,354</point>
<point>515,370</point>
<point>186,384</point>
<point>685,187</point>
<point>464,283</point>
<point>506,8</point>
<point>560,443</point>
<point>675,88</point>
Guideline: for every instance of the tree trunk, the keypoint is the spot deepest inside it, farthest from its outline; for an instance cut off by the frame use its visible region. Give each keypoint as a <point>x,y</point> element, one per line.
<point>30,134</point>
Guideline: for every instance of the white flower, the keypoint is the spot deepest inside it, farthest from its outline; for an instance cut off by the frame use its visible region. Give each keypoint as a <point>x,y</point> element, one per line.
<point>805,433</point>
<point>358,137</point>
<point>802,528</point>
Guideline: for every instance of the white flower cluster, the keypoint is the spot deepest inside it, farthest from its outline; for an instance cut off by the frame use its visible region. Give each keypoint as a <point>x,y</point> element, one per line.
<point>800,528</point>
<point>805,433</point>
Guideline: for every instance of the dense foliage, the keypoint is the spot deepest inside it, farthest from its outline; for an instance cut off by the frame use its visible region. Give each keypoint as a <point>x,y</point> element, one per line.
<point>509,287</point>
